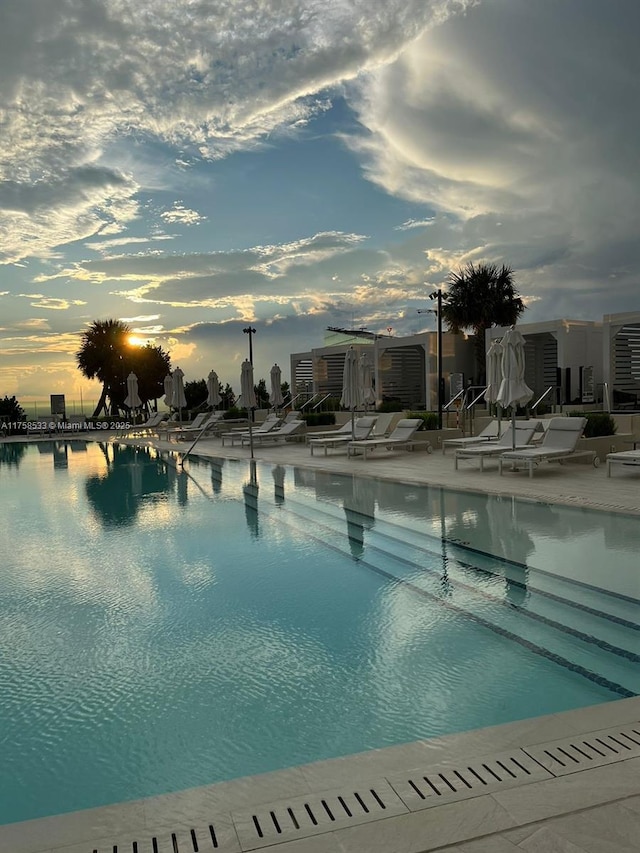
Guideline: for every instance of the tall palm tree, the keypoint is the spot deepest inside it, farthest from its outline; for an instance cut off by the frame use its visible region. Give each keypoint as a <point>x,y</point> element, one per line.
<point>480,296</point>
<point>106,354</point>
<point>102,356</point>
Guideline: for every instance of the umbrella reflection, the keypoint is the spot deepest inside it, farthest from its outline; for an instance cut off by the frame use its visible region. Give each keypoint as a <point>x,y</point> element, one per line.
<point>216,475</point>
<point>250,492</point>
<point>278,474</point>
<point>359,509</point>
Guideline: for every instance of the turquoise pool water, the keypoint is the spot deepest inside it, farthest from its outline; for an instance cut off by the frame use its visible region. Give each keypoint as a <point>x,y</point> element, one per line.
<point>161,630</point>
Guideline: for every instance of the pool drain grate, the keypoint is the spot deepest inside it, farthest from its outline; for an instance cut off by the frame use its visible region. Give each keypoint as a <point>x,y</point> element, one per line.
<point>448,783</point>
<point>202,839</point>
<point>580,752</point>
<point>300,817</point>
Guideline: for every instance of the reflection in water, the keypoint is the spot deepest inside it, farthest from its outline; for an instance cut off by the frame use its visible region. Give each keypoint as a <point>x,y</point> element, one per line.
<point>359,509</point>
<point>250,492</point>
<point>216,475</point>
<point>132,478</point>
<point>278,474</point>
<point>11,454</point>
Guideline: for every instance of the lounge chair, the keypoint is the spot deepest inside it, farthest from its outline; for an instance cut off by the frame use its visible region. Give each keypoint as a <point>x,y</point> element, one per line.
<point>622,457</point>
<point>167,426</point>
<point>382,426</point>
<point>345,429</point>
<point>524,431</point>
<point>400,438</point>
<point>267,426</point>
<point>489,433</point>
<point>151,424</point>
<point>362,429</point>
<point>559,443</point>
<point>210,421</point>
<point>275,436</point>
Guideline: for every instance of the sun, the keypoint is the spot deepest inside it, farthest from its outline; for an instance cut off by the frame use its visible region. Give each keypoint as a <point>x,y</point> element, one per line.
<point>136,341</point>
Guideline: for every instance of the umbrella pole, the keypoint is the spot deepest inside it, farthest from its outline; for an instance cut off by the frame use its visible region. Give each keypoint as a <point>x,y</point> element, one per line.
<point>353,424</point>
<point>250,413</point>
<point>513,426</point>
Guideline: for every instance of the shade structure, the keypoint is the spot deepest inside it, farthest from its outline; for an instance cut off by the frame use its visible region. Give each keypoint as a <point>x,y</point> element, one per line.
<point>213,389</point>
<point>514,391</point>
<point>178,399</point>
<point>132,400</point>
<point>248,395</point>
<point>276,390</point>
<point>168,390</point>
<point>365,381</point>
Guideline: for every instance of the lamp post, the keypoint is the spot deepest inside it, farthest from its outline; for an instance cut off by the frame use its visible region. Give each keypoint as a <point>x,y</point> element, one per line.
<point>437,294</point>
<point>251,332</point>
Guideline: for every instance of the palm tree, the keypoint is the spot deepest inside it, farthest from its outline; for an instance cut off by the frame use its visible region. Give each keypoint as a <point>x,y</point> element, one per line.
<point>101,356</point>
<point>478,297</point>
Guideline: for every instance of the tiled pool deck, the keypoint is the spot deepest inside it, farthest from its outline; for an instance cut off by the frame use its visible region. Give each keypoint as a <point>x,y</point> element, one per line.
<point>369,802</point>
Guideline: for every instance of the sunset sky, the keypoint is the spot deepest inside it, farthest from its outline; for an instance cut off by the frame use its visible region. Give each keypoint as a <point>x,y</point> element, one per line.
<point>191,166</point>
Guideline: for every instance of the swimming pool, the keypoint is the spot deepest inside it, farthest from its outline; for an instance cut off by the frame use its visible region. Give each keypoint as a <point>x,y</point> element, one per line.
<point>163,629</point>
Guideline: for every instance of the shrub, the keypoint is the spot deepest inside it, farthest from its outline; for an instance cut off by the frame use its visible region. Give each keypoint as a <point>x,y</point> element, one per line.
<point>319,418</point>
<point>429,419</point>
<point>390,406</point>
<point>234,413</point>
<point>598,423</point>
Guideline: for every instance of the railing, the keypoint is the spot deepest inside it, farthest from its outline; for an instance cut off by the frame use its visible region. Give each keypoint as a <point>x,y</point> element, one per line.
<point>543,395</point>
<point>320,402</point>
<point>310,400</point>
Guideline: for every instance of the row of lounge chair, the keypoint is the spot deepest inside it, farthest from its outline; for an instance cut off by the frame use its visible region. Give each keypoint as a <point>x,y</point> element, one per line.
<point>560,438</point>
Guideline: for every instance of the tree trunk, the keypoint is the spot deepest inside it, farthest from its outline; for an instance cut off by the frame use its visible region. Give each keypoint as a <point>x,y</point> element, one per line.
<point>102,403</point>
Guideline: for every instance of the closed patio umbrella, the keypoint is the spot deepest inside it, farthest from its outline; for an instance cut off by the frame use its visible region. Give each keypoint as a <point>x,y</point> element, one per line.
<point>494,375</point>
<point>365,380</point>
<point>168,390</point>
<point>514,391</point>
<point>248,395</point>
<point>178,399</point>
<point>213,389</point>
<point>132,400</point>
<point>276,390</point>
<point>350,385</point>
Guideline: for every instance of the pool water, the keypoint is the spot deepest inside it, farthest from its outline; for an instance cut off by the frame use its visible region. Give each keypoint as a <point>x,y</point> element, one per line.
<point>162,629</point>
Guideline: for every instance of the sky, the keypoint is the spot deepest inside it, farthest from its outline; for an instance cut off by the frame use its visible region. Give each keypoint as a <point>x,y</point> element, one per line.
<point>193,167</point>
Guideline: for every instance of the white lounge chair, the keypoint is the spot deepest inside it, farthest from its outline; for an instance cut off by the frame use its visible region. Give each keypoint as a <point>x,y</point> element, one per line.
<point>382,426</point>
<point>622,457</point>
<point>152,423</point>
<point>275,436</point>
<point>559,443</point>
<point>524,431</point>
<point>489,433</point>
<point>210,421</point>
<point>345,429</point>
<point>400,438</point>
<point>361,429</point>
<point>267,426</point>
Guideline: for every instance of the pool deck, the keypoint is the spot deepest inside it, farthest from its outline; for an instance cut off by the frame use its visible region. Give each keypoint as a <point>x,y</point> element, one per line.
<point>385,801</point>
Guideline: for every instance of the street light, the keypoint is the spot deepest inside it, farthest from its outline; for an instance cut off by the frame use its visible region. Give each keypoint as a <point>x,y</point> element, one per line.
<point>437,294</point>
<point>250,331</point>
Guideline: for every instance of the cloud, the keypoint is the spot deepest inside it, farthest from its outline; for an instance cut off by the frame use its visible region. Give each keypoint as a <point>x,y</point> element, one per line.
<point>525,152</point>
<point>182,215</point>
<point>81,76</point>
